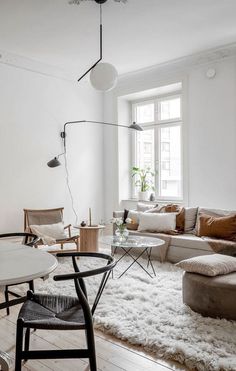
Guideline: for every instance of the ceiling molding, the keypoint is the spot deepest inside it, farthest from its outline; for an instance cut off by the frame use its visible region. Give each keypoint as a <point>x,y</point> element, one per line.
<point>30,65</point>
<point>186,62</point>
<point>190,61</point>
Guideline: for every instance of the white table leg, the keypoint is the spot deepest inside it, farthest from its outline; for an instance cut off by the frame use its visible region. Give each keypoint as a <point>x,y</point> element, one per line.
<point>5,361</point>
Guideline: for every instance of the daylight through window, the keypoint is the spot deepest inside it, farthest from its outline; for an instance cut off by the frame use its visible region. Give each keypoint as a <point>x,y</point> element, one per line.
<point>159,146</point>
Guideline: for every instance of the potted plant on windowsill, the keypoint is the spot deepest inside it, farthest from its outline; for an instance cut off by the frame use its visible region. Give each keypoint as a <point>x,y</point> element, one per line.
<point>144,180</point>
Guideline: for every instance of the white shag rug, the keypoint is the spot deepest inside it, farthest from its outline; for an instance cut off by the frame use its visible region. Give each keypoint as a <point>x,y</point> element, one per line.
<point>150,313</point>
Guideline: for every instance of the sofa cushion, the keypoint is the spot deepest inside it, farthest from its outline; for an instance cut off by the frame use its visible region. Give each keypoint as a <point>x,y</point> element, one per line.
<point>145,207</point>
<point>165,222</point>
<point>155,209</point>
<point>190,219</point>
<point>212,212</point>
<point>209,265</point>
<point>223,227</point>
<point>215,212</point>
<point>190,241</point>
<point>180,215</point>
<point>134,215</point>
<point>186,241</point>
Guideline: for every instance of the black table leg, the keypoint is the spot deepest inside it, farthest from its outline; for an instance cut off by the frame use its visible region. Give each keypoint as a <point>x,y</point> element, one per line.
<point>135,260</point>
<point>150,260</point>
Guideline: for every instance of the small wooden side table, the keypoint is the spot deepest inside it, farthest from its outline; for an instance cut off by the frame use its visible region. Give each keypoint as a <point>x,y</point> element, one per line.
<point>89,237</point>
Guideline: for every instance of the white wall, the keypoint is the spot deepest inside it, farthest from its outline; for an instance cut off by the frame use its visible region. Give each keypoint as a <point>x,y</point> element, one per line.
<point>33,109</point>
<point>209,127</point>
<point>212,136</point>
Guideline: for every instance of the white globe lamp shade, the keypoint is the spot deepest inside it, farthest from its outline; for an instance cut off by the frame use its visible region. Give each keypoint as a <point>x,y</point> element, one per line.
<point>103,77</point>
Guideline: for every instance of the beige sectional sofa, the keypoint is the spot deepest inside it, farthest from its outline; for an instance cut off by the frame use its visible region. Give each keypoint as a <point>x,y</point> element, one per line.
<point>186,245</point>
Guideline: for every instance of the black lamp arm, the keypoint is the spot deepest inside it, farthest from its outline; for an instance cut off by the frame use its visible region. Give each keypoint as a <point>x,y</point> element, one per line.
<point>63,133</point>
<point>94,65</point>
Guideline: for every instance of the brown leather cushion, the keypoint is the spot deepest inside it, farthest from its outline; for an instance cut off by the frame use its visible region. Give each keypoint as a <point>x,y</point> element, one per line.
<point>132,226</point>
<point>219,227</point>
<point>180,216</point>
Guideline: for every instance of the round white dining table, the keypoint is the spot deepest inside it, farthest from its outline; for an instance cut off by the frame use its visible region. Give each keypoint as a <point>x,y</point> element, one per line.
<point>18,264</point>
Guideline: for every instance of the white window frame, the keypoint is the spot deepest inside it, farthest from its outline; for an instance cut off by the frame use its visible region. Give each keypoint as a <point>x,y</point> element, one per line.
<point>169,97</point>
<point>157,125</point>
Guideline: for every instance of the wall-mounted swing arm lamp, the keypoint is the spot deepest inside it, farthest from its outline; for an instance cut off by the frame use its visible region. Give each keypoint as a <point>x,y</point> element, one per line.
<point>55,161</point>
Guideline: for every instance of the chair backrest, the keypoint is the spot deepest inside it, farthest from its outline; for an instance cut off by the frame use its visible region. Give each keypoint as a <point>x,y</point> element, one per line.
<point>79,276</point>
<point>29,239</point>
<point>42,217</point>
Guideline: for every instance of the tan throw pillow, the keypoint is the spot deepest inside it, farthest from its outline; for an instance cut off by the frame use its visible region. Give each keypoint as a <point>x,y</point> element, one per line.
<point>180,215</point>
<point>132,226</point>
<point>134,216</point>
<point>212,212</point>
<point>218,227</point>
<point>209,265</point>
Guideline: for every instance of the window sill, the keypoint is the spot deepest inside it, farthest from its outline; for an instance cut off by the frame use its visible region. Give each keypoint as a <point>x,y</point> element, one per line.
<point>135,200</point>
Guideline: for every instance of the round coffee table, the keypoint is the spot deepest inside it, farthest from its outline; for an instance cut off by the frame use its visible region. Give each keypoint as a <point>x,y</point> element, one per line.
<point>141,245</point>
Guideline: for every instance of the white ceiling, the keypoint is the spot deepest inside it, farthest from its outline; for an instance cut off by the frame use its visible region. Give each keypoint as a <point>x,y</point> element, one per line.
<point>136,35</point>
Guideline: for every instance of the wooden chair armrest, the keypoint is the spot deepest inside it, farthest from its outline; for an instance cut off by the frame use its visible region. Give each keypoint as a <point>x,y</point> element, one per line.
<point>69,229</point>
<point>67,226</point>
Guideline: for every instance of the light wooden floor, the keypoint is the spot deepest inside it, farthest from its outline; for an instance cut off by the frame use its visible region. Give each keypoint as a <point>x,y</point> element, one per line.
<point>112,354</point>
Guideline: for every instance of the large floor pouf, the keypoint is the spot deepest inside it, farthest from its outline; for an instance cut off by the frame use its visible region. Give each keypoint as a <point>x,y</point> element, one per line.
<point>211,296</point>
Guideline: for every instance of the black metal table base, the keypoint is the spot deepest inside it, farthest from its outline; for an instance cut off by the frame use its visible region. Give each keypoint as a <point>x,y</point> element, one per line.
<point>135,259</point>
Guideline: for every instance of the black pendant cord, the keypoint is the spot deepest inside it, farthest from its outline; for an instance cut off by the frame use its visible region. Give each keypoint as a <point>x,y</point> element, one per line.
<point>94,65</point>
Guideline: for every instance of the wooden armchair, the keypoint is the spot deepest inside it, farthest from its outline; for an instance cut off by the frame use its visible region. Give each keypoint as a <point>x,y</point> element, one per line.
<point>46,217</point>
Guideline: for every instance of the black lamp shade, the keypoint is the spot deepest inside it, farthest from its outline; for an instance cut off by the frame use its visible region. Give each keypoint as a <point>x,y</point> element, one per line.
<point>135,127</point>
<point>54,162</point>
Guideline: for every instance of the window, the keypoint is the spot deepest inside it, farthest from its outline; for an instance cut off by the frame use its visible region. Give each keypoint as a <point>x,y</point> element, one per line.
<point>159,146</point>
<point>165,165</point>
<point>145,113</point>
<point>165,146</point>
<point>145,149</point>
<point>169,109</point>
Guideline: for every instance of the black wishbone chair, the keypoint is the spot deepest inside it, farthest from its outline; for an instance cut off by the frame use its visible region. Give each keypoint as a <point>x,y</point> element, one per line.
<point>29,239</point>
<point>56,312</point>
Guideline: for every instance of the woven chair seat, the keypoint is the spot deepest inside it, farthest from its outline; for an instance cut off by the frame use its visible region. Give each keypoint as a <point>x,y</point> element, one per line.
<point>57,312</point>
<point>53,312</point>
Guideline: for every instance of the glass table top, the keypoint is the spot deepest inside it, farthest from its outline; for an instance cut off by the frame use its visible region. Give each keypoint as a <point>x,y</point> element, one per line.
<point>132,241</point>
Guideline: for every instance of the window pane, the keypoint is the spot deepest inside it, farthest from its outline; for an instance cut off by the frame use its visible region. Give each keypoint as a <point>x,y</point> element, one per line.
<point>169,109</point>
<point>145,156</point>
<point>170,162</point>
<point>145,113</point>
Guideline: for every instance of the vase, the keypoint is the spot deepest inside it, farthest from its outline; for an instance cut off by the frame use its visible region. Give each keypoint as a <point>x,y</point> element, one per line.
<point>143,196</point>
<point>122,234</point>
